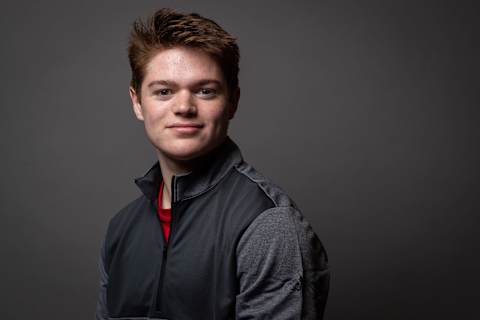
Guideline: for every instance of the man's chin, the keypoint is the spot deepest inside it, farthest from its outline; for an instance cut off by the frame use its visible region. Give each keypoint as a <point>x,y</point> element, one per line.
<point>187,150</point>
<point>184,154</point>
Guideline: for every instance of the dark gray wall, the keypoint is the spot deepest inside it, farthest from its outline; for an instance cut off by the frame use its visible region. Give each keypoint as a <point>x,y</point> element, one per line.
<point>365,112</point>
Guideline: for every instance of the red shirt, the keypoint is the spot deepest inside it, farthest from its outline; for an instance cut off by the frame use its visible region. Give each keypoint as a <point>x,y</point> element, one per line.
<point>165,215</point>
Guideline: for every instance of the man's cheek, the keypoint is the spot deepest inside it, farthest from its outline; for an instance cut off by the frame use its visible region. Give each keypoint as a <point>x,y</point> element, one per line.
<point>152,123</point>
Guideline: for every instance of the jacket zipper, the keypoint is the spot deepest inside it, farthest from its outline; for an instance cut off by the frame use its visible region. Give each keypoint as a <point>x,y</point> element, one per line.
<point>160,295</point>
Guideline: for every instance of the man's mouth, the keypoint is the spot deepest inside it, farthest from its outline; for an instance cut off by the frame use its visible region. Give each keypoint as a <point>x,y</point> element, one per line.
<point>186,128</point>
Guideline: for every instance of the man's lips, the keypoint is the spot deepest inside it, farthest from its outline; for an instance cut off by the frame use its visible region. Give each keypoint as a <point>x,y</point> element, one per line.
<point>186,128</point>
<point>185,125</point>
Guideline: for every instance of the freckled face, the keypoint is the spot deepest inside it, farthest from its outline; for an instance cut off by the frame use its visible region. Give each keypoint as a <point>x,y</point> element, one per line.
<point>184,103</point>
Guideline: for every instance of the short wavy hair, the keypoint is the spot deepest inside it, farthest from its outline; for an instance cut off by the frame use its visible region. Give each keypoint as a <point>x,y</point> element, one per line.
<point>168,28</point>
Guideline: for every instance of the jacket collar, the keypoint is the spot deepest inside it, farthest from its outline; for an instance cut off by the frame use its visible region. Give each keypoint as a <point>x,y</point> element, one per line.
<point>209,170</point>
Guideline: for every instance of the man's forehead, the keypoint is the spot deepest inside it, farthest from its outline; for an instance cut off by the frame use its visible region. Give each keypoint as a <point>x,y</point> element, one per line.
<point>182,59</point>
<point>184,67</point>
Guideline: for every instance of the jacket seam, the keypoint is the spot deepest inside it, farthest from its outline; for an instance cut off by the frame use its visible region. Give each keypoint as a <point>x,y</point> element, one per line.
<point>261,187</point>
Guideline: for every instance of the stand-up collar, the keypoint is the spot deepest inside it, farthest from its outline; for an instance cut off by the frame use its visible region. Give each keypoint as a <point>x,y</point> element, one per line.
<point>209,169</point>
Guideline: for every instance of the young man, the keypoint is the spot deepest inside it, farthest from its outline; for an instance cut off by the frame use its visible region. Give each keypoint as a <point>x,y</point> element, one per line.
<point>210,237</point>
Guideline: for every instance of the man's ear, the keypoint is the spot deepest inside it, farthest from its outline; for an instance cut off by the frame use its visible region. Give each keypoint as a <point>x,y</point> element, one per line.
<point>137,107</point>
<point>234,103</point>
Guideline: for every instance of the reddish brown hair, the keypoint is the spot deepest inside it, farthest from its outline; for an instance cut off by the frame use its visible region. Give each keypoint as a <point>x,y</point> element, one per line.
<point>168,28</point>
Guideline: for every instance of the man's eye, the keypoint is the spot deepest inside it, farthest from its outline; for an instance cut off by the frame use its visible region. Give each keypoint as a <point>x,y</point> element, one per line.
<point>208,92</point>
<point>163,92</point>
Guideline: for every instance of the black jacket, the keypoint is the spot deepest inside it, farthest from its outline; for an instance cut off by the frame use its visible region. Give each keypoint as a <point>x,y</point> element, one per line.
<point>238,248</point>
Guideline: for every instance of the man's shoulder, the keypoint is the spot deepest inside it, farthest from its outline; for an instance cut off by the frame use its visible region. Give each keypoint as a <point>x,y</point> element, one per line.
<point>284,217</point>
<point>284,211</point>
<point>269,188</point>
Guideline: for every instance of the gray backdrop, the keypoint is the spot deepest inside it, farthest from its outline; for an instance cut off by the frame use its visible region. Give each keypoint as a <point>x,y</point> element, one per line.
<point>366,112</point>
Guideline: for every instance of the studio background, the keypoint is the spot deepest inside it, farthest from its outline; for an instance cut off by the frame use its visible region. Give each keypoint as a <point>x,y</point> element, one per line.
<point>365,112</point>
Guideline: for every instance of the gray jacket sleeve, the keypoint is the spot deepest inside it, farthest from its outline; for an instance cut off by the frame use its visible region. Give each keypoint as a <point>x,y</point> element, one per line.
<point>282,268</point>
<point>101,311</point>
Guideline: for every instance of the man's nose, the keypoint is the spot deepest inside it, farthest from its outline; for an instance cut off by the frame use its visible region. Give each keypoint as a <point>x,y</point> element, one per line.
<point>185,103</point>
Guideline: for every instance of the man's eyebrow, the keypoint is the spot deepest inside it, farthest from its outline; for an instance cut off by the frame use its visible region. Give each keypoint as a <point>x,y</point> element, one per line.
<point>208,81</point>
<point>160,82</point>
<point>173,83</point>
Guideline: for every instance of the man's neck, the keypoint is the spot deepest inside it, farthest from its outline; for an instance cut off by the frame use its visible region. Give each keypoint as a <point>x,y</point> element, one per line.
<point>169,168</point>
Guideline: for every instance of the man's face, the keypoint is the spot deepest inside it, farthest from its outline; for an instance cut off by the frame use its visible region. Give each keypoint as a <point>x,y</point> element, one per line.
<point>184,103</point>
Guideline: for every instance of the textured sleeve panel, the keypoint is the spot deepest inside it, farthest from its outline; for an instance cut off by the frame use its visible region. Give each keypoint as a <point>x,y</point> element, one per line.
<point>269,268</point>
<point>101,311</point>
<point>316,274</point>
<point>282,268</point>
